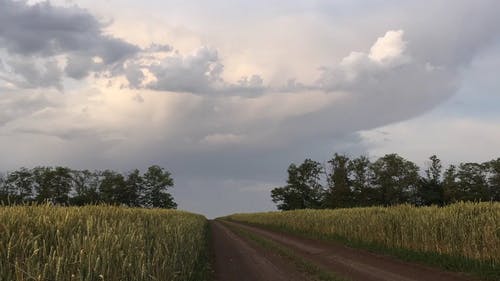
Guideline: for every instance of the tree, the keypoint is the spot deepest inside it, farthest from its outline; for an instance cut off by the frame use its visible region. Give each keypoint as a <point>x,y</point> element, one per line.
<point>4,194</point>
<point>86,186</point>
<point>361,177</point>
<point>396,179</point>
<point>472,182</point>
<point>19,186</point>
<point>430,191</point>
<point>53,184</point>
<point>339,194</point>
<point>60,185</point>
<point>450,185</point>
<point>303,189</point>
<point>493,168</point>
<point>286,198</point>
<point>111,187</point>
<point>133,188</point>
<point>156,182</point>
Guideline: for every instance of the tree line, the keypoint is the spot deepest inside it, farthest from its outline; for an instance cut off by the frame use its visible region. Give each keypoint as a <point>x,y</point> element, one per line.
<point>390,180</point>
<point>64,186</point>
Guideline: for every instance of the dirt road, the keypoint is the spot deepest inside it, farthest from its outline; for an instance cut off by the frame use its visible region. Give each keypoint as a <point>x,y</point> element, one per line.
<point>239,259</point>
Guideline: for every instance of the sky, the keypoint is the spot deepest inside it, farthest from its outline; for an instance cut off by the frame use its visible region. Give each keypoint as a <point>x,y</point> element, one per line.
<point>226,94</point>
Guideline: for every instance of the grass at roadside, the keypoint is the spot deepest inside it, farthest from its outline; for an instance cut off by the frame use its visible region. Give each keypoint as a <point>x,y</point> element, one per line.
<point>312,270</point>
<point>463,237</point>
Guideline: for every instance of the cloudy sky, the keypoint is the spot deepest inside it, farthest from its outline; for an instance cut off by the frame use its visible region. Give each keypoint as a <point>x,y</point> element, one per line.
<point>226,94</point>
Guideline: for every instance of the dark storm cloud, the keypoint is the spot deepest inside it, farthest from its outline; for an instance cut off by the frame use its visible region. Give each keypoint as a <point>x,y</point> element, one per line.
<point>79,66</point>
<point>193,73</point>
<point>34,75</point>
<point>155,48</point>
<point>134,75</point>
<point>34,33</point>
<point>197,73</point>
<point>46,30</point>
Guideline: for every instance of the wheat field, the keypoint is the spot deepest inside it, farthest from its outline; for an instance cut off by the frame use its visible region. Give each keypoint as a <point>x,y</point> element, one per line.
<point>469,230</point>
<point>101,243</point>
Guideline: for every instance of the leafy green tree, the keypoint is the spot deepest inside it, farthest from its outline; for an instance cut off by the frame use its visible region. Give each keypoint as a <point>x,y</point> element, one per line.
<point>493,168</point>
<point>286,198</point>
<point>450,185</point>
<point>154,193</point>
<point>18,186</point>
<point>303,189</point>
<point>133,184</point>
<point>396,179</point>
<point>53,184</point>
<point>4,194</point>
<point>111,186</point>
<point>339,194</point>
<point>430,191</point>
<point>86,186</point>
<point>472,182</point>
<point>361,177</point>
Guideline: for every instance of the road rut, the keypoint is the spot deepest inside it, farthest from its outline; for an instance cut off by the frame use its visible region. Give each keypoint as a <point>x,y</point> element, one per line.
<point>346,262</point>
<point>237,259</point>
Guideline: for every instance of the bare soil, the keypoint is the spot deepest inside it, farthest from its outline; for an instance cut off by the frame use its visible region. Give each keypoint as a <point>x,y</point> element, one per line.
<point>236,259</point>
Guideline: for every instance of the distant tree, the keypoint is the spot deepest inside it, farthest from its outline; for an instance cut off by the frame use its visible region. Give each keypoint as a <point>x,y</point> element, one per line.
<point>303,189</point>
<point>4,194</point>
<point>18,186</point>
<point>493,168</point>
<point>111,187</point>
<point>133,187</point>
<point>86,187</point>
<point>472,182</point>
<point>430,190</point>
<point>53,184</point>
<point>286,198</point>
<point>361,177</point>
<point>156,182</point>
<point>339,194</point>
<point>388,181</point>
<point>396,179</point>
<point>450,185</point>
<point>60,185</point>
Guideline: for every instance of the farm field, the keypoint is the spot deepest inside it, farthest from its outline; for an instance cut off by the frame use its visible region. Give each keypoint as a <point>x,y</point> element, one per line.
<point>116,243</point>
<point>253,253</point>
<point>101,243</point>
<point>460,237</point>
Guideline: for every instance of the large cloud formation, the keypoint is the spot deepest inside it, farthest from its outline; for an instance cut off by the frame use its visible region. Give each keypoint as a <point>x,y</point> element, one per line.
<point>134,105</point>
<point>40,38</point>
<point>44,42</point>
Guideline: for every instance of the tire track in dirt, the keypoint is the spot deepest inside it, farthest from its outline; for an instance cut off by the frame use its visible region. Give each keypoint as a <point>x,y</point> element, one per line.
<point>235,259</point>
<point>353,264</point>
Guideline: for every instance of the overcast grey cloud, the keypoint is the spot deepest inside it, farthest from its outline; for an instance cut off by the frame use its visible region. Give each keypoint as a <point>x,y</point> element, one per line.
<point>192,73</point>
<point>46,30</point>
<point>39,33</point>
<point>227,95</point>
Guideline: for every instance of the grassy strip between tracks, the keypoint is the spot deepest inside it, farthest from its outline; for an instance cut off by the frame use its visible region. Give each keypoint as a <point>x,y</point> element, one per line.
<point>302,265</point>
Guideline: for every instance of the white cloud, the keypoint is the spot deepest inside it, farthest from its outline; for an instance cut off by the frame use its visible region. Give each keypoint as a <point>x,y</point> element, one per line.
<point>388,48</point>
